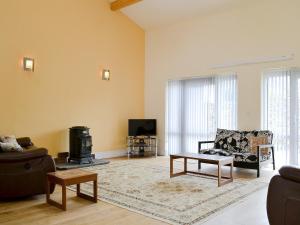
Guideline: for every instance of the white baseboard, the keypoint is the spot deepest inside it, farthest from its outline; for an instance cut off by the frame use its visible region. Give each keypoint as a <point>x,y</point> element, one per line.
<point>110,154</point>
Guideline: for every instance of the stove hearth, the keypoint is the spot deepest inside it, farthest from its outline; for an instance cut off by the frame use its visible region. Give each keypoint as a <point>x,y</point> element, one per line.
<point>80,145</point>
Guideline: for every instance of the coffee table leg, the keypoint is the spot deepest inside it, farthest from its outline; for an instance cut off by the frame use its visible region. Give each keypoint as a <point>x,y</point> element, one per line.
<point>172,174</point>
<point>228,179</point>
<point>231,169</point>
<point>219,175</point>
<point>171,166</point>
<point>78,189</point>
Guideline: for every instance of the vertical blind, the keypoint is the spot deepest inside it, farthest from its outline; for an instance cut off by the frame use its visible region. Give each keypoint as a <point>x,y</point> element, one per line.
<point>281,114</point>
<point>196,108</point>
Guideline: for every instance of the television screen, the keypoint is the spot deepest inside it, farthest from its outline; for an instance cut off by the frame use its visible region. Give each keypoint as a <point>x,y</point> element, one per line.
<point>141,127</point>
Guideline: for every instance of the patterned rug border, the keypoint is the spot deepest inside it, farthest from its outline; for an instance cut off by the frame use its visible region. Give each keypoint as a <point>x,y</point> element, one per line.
<point>227,206</point>
<point>200,220</point>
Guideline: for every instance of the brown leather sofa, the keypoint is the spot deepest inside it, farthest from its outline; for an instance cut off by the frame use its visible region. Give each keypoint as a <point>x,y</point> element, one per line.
<point>283,201</point>
<point>24,173</point>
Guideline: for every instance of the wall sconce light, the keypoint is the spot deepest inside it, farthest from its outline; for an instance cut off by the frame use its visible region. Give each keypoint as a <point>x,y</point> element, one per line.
<point>106,75</point>
<point>28,64</point>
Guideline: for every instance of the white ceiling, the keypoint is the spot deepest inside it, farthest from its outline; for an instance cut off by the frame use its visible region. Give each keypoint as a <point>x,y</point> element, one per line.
<point>151,14</point>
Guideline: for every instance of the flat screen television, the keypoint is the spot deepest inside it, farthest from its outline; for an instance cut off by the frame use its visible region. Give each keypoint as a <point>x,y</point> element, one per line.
<point>141,127</point>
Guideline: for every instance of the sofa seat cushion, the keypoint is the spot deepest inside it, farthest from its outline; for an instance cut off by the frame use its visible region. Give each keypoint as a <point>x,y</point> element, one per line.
<point>238,157</point>
<point>249,157</point>
<point>220,152</point>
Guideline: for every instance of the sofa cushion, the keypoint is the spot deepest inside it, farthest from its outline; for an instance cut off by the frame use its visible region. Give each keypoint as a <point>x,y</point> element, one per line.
<point>256,141</point>
<point>10,144</point>
<point>245,146</point>
<point>241,144</point>
<point>228,140</point>
<point>24,142</point>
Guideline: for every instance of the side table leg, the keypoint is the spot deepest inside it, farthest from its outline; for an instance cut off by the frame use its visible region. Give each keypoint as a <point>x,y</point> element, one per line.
<point>95,190</point>
<point>64,197</point>
<point>63,205</point>
<point>93,198</point>
<point>47,190</point>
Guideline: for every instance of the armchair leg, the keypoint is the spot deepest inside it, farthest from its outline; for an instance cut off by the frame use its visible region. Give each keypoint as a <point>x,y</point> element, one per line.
<point>199,165</point>
<point>273,157</point>
<point>258,161</point>
<point>199,150</point>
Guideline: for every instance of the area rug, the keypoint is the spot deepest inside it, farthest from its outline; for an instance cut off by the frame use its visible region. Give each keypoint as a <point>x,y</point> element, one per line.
<point>146,188</point>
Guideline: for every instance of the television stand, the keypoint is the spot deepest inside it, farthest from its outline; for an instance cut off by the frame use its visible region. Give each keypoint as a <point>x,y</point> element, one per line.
<point>140,146</point>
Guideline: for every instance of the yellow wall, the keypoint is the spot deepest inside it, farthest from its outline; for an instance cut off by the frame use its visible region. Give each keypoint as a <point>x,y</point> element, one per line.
<point>71,41</point>
<point>264,28</point>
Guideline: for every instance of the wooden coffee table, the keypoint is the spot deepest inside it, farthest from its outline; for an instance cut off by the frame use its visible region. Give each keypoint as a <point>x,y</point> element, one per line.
<point>210,159</point>
<point>70,177</point>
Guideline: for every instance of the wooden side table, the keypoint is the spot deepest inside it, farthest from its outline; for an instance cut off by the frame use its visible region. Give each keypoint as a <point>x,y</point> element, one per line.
<point>70,177</point>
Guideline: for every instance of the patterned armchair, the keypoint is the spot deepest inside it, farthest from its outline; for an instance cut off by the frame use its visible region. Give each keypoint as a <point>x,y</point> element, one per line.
<point>249,148</point>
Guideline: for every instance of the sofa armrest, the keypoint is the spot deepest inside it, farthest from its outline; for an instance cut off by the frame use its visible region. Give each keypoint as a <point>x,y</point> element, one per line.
<point>9,157</point>
<point>260,147</point>
<point>203,142</point>
<point>266,146</point>
<point>290,173</point>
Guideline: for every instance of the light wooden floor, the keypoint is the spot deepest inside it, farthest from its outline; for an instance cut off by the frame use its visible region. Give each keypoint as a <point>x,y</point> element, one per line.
<point>34,210</point>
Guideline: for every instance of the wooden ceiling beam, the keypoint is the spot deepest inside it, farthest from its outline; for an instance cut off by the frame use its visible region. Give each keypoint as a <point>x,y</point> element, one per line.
<point>119,4</point>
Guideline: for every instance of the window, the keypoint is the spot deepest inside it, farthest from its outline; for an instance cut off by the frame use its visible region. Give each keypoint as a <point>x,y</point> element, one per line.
<point>196,108</point>
<point>281,112</point>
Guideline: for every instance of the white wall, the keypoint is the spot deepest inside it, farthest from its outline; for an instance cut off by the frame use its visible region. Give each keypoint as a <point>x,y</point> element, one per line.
<point>265,29</point>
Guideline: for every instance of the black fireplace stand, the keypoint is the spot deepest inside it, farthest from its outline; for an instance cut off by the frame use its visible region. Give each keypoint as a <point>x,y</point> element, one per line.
<point>80,145</point>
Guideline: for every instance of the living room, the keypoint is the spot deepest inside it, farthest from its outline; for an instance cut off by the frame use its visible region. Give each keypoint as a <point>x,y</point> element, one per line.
<point>223,71</point>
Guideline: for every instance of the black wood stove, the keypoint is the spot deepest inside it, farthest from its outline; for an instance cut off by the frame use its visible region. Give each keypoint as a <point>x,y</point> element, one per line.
<point>80,145</point>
